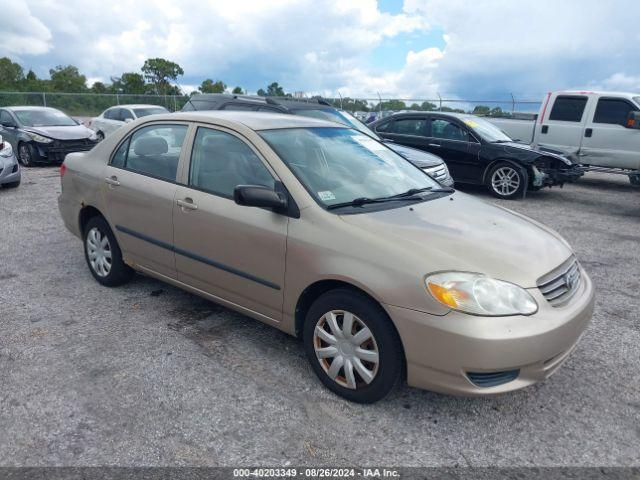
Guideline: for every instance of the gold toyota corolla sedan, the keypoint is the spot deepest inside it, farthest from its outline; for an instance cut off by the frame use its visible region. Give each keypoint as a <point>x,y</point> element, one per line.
<point>327,234</point>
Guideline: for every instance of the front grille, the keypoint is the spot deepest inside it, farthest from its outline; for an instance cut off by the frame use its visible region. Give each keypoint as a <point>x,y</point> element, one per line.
<point>559,285</point>
<point>492,379</point>
<point>439,172</point>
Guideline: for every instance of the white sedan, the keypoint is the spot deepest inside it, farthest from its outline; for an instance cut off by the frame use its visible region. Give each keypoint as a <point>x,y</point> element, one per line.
<point>113,118</point>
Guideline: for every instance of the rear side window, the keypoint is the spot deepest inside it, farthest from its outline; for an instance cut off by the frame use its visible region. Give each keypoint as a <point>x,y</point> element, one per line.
<point>155,151</point>
<point>125,114</point>
<point>220,162</point>
<point>110,114</point>
<point>407,126</point>
<point>568,108</point>
<point>613,111</point>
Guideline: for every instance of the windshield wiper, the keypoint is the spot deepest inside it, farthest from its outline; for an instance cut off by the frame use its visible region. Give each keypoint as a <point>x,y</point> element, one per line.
<point>502,141</point>
<point>409,195</point>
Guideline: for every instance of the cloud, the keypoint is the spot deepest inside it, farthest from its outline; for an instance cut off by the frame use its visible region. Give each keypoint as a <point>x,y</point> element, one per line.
<point>20,32</point>
<point>490,48</point>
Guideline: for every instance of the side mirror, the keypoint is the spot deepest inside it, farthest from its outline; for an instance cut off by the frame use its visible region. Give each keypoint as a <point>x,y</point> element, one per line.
<point>633,120</point>
<point>128,120</point>
<point>258,196</point>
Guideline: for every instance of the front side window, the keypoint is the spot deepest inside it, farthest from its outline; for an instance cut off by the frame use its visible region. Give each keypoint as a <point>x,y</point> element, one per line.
<point>407,126</point>
<point>155,150</point>
<point>568,108</point>
<point>338,165</point>
<point>220,162</point>
<point>43,117</point>
<point>6,118</point>
<point>125,114</point>
<point>613,111</point>
<point>110,114</point>
<point>446,130</point>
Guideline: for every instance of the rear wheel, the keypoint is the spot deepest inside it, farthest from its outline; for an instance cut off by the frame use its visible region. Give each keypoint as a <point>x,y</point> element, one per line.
<point>352,346</point>
<point>27,154</point>
<point>507,181</point>
<point>103,254</point>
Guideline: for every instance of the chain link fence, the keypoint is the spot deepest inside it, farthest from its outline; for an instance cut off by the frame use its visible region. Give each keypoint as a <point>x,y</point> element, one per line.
<point>367,109</point>
<point>88,104</point>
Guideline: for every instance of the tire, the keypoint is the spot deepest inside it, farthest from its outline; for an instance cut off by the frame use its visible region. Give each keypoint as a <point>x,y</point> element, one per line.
<point>506,180</point>
<point>334,307</point>
<point>107,268</point>
<point>27,155</point>
<point>12,184</point>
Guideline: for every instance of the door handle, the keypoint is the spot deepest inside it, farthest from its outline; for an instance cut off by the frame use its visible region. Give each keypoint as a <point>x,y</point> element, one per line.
<point>588,132</point>
<point>113,180</point>
<point>187,203</point>
<point>435,145</point>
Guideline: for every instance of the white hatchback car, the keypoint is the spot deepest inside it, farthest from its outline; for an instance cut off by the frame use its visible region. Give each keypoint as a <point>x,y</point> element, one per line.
<point>113,118</point>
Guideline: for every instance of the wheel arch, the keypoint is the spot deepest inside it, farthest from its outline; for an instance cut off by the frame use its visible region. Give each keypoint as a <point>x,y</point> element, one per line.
<point>86,213</point>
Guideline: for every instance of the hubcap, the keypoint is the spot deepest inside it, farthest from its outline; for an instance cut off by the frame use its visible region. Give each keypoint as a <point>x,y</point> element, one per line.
<point>505,181</point>
<point>346,349</point>
<point>25,155</point>
<point>99,252</point>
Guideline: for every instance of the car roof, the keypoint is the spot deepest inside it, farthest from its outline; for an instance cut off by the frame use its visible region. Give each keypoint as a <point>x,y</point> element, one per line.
<point>253,120</point>
<point>287,102</point>
<point>460,116</point>
<point>137,105</point>
<point>22,108</point>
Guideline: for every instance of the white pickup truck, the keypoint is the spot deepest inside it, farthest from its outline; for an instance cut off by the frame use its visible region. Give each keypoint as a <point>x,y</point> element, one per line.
<point>600,130</point>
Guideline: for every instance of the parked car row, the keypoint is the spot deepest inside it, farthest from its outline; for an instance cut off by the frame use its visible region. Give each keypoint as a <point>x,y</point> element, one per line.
<point>320,230</point>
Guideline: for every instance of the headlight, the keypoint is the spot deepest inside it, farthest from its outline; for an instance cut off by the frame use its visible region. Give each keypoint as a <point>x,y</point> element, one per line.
<point>5,150</point>
<point>39,138</point>
<point>478,294</point>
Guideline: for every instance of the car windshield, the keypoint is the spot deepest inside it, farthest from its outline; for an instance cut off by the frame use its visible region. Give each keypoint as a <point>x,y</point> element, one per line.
<point>487,130</point>
<point>340,165</point>
<point>43,118</point>
<point>143,112</point>
<point>339,116</point>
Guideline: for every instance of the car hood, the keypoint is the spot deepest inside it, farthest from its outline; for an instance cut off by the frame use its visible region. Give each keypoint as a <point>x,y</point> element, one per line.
<point>532,151</point>
<point>71,132</point>
<point>461,233</point>
<point>417,157</point>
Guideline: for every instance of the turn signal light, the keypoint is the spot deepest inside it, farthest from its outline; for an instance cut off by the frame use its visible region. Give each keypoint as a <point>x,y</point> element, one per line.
<point>443,294</point>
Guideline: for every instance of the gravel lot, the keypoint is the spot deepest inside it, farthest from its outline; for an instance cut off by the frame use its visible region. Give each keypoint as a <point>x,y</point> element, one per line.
<point>149,375</point>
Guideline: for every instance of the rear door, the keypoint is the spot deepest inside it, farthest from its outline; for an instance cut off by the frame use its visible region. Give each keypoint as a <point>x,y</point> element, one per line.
<point>409,131</point>
<point>453,142</point>
<point>9,129</point>
<point>139,188</point>
<point>563,123</point>
<point>606,141</point>
<point>112,120</point>
<point>233,252</point>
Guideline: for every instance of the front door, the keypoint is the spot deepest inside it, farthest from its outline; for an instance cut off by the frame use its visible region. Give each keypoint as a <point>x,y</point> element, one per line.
<point>233,252</point>
<point>606,141</point>
<point>453,143</point>
<point>139,187</point>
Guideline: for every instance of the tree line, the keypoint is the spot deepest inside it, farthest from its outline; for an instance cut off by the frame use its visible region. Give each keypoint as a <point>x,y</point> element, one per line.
<point>158,77</point>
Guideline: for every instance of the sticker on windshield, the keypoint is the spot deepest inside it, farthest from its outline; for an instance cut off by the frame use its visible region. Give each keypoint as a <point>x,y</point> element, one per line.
<point>326,196</point>
<point>471,123</point>
<point>370,144</point>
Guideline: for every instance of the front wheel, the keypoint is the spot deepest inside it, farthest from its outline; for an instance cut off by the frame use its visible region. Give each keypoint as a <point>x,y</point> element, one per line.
<point>27,155</point>
<point>103,254</point>
<point>506,181</point>
<point>352,346</point>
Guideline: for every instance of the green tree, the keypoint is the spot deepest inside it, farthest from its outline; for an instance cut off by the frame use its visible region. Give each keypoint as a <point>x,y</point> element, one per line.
<point>159,72</point>
<point>32,83</point>
<point>99,87</point>
<point>261,93</point>
<point>391,105</point>
<point>352,105</point>
<point>67,78</point>
<point>11,75</point>
<point>237,90</point>
<point>128,82</point>
<point>481,110</point>
<point>209,86</point>
<point>428,106</point>
<point>273,90</point>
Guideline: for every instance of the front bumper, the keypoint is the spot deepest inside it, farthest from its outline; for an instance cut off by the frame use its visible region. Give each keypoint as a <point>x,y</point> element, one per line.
<point>56,151</point>
<point>442,351</point>
<point>9,170</point>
